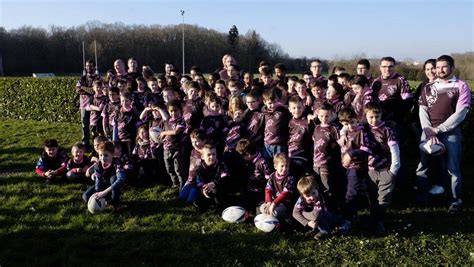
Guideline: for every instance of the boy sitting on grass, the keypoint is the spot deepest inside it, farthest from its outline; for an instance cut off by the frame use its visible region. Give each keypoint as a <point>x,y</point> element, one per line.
<point>53,161</point>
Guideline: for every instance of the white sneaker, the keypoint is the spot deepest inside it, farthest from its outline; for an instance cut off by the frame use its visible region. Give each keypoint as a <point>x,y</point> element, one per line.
<point>436,190</point>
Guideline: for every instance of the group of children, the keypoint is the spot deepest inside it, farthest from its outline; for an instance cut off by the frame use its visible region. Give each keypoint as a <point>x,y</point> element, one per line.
<point>302,152</point>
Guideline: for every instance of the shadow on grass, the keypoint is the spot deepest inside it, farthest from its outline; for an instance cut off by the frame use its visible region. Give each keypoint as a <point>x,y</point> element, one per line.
<point>132,248</point>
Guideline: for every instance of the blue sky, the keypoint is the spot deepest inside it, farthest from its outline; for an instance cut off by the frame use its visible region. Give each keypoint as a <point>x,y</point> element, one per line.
<point>326,29</point>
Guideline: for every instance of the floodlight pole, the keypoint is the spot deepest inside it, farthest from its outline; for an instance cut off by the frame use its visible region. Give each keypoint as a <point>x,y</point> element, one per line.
<point>182,14</point>
<point>83,59</point>
<point>96,64</point>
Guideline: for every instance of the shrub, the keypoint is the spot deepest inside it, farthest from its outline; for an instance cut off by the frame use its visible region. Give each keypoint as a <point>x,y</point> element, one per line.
<point>42,99</point>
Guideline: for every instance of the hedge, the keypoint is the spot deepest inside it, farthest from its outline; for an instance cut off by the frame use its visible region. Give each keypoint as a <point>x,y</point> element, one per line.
<point>42,99</point>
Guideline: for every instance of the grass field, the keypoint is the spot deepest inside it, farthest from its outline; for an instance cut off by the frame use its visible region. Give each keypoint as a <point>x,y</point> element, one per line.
<point>49,225</point>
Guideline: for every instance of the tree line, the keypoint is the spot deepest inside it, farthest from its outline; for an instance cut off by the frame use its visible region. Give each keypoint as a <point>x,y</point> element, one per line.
<point>59,50</point>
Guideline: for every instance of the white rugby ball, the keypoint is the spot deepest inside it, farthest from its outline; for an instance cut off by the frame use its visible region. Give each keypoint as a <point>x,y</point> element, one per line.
<point>234,214</point>
<point>96,205</point>
<point>155,134</point>
<point>432,149</point>
<point>266,223</point>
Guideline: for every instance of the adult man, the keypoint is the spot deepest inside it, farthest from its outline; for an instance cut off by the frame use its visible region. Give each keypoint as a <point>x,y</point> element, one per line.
<point>393,92</point>
<point>316,67</point>
<point>85,91</point>
<point>168,67</point>
<point>363,68</point>
<point>133,73</point>
<point>444,104</point>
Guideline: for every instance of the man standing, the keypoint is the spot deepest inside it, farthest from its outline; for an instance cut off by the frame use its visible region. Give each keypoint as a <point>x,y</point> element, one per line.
<point>316,67</point>
<point>444,104</point>
<point>85,91</point>
<point>393,93</point>
<point>363,68</point>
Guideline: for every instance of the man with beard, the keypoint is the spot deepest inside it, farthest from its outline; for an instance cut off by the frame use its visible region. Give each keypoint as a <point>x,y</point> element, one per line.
<point>444,104</point>
<point>85,91</point>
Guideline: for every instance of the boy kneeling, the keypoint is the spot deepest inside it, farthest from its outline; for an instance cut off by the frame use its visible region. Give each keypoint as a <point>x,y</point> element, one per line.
<point>310,210</point>
<point>109,177</point>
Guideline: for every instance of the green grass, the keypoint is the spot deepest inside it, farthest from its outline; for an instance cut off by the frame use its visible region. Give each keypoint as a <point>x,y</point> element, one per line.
<point>49,225</point>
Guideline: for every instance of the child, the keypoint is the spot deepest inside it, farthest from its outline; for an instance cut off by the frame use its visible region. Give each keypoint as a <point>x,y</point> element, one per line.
<point>215,125</point>
<point>279,189</point>
<point>221,92</point>
<point>156,95</point>
<point>283,92</point>
<point>110,113</point>
<point>266,78</point>
<point>308,78</point>
<point>78,165</point>
<point>142,153</point>
<point>127,122</point>
<point>99,101</point>
<point>319,93</point>
<point>302,92</point>
<point>299,138</point>
<point>140,95</point>
<point>109,177</point>
<point>310,210</point>
<point>258,174</point>
<point>172,137</point>
<point>254,119</point>
<point>207,186</point>
<point>363,94</point>
<point>292,85</point>
<point>212,78</point>
<point>198,140</point>
<point>248,81</point>
<point>236,128</point>
<point>94,156</point>
<point>52,162</point>
<point>193,105</point>
<point>384,163</point>
<point>235,89</point>
<point>169,94</point>
<point>335,97</point>
<point>353,142</point>
<point>326,153</point>
<point>277,118</point>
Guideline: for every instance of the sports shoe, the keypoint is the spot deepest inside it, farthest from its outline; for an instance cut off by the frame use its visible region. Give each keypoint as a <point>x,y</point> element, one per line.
<point>436,190</point>
<point>455,207</point>
<point>322,234</point>
<point>380,228</point>
<point>345,227</point>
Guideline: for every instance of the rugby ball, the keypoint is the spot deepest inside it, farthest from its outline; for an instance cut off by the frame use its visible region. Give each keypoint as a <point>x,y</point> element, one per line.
<point>155,134</point>
<point>96,205</point>
<point>266,223</point>
<point>432,149</point>
<point>234,214</point>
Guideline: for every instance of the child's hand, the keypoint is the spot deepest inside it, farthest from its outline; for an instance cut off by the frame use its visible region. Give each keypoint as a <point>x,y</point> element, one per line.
<point>311,117</point>
<point>162,134</point>
<point>346,160</point>
<point>271,208</point>
<point>94,159</point>
<point>312,224</point>
<point>99,195</point>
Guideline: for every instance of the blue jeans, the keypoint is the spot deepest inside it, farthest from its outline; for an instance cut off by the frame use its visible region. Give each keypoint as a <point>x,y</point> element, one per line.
<point>85,121</point>
<point>113,198</point>
<point>451,161</point>
<point>269,151</point>
<point>189,193</point>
